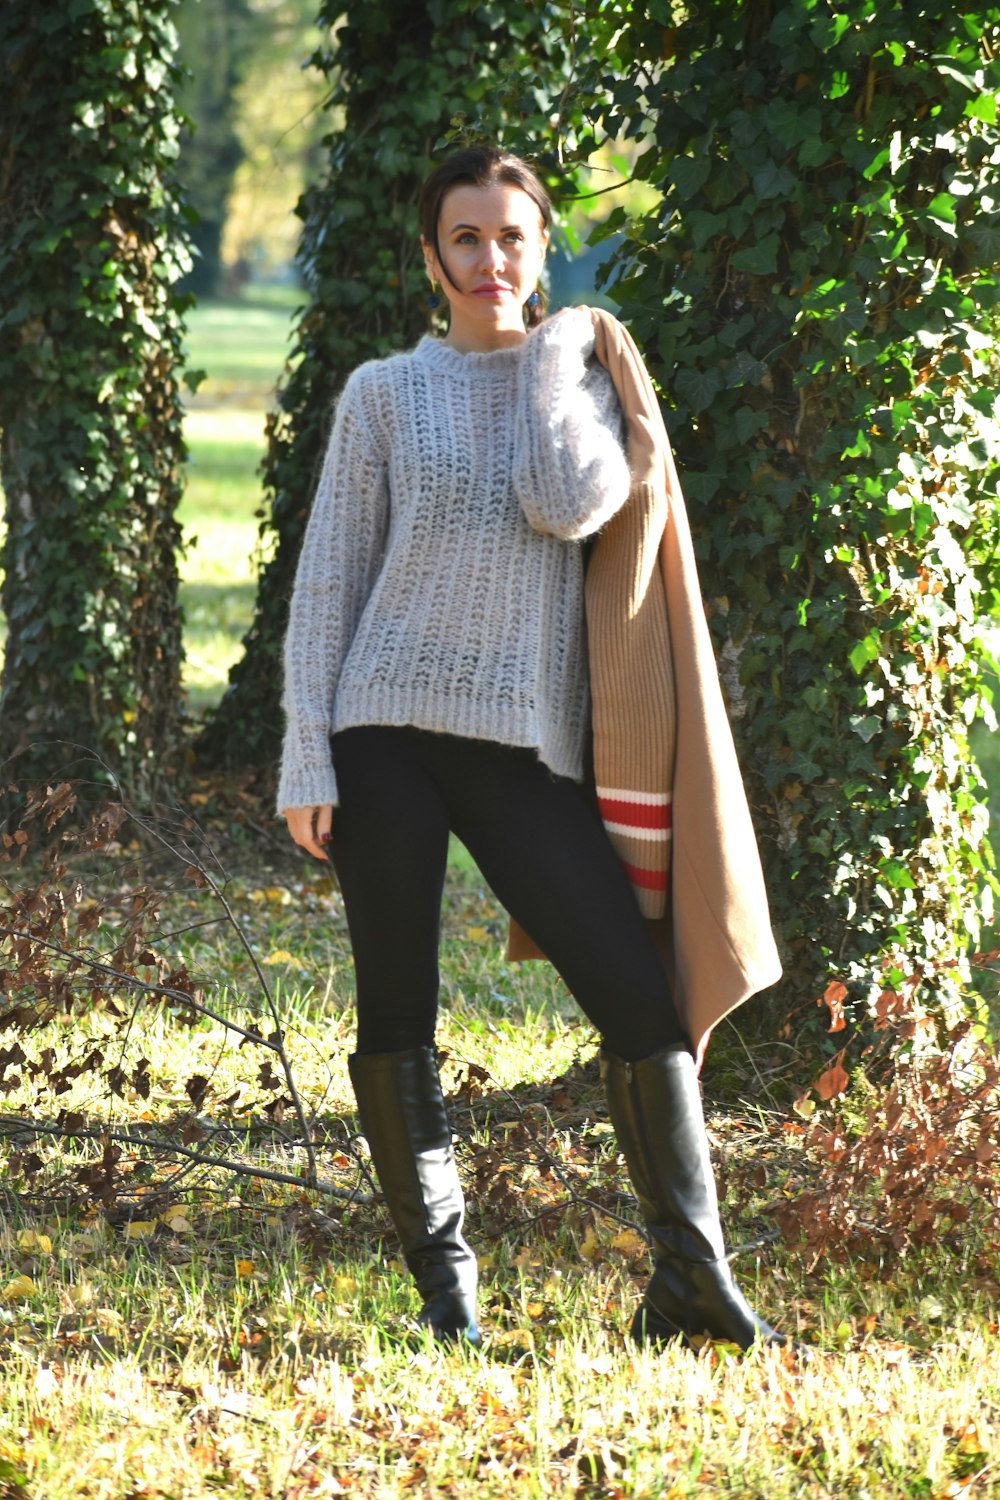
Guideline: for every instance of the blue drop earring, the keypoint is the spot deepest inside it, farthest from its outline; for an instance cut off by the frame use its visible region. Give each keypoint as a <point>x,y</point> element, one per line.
<point>433,300</point>
<point>533,300</point>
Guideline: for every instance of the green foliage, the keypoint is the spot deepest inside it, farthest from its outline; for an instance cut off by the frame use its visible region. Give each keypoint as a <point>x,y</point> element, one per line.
<point>816,296</point>
<point>405,78</point>
<point>90,242</point>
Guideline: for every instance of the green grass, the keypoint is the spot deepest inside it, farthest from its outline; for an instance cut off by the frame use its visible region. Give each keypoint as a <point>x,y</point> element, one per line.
<point>250,1347</point>
<point>242,347</point>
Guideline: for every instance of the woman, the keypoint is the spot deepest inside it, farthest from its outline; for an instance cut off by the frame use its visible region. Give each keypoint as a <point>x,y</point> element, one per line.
<point>437,680</point>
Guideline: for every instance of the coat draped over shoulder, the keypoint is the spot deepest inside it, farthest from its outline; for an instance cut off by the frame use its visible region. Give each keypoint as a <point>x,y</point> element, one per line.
<point>660,722</point>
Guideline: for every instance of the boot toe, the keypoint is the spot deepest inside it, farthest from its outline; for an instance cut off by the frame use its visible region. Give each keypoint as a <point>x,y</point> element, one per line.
<point>450,1321</point>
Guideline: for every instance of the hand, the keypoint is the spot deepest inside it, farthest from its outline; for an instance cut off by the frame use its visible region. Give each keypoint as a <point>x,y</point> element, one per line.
<point>310,827</point>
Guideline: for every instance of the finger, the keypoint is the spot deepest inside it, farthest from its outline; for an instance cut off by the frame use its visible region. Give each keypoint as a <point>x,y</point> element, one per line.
<point>302,827</point>
<point>324,825</point>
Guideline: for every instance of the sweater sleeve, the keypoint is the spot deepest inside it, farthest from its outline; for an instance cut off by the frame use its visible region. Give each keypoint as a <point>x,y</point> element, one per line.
<point>570,469</point>
<point>337,566</point>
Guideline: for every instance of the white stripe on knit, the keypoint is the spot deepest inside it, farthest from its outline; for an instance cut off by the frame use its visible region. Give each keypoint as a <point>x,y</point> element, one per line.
<point>653,835</point>
<point>645,799</point>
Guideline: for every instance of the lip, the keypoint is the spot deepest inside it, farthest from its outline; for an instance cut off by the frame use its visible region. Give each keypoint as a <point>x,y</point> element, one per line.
<point>492,289</point>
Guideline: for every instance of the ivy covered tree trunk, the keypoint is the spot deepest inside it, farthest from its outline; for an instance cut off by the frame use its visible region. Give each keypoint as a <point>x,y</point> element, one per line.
<point>407,74</point>
<point>90,423</point>
<point>816,298</point>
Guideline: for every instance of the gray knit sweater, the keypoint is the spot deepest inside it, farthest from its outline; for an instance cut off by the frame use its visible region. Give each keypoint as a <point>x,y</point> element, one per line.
<point>441,577</point>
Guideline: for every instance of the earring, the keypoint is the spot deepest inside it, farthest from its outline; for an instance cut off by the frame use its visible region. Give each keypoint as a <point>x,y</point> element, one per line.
<point>432,299</point>
<point>533,300</point>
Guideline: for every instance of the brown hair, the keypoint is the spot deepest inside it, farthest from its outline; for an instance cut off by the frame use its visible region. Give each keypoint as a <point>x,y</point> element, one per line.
<point>480,166</point>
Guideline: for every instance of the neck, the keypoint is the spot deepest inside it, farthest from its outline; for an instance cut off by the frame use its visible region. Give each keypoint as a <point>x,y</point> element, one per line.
<point>471,340</point>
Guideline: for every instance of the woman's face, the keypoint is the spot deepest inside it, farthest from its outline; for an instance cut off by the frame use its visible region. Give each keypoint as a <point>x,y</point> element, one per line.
<point>493,241</point>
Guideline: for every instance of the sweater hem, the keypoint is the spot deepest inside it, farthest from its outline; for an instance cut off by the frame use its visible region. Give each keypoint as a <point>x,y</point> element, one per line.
<point>437,714</point>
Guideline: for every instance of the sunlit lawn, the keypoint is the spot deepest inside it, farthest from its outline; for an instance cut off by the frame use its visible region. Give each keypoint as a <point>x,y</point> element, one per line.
<point>242,347</point>
<point>240,1344</point>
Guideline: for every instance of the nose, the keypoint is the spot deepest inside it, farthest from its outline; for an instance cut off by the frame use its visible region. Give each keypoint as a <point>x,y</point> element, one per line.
<point>493,255</point>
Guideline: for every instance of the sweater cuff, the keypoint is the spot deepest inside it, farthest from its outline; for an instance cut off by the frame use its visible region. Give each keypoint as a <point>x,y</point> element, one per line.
<point>307,776</point>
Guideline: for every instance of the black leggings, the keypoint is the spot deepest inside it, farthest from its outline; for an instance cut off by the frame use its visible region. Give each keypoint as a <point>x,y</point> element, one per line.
<point>539,844</point>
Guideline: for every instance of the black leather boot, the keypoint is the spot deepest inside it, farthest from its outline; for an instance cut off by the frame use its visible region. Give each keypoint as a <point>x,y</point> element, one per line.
<point>655,1107</point>
<point>404,1119</point>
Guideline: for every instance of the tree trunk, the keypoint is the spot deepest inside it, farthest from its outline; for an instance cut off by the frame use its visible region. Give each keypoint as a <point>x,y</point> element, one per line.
<point>91,447</point>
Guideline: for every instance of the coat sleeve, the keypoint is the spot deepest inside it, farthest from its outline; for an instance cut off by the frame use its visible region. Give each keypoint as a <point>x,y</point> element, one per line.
<point>571,473</point>
<point>340,556</point>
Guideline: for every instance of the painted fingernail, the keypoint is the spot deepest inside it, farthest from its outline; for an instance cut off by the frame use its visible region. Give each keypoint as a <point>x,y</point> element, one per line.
<point>324,838</point>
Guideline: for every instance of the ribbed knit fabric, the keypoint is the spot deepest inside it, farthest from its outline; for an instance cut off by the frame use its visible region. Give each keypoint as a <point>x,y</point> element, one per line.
<point>441,582</point>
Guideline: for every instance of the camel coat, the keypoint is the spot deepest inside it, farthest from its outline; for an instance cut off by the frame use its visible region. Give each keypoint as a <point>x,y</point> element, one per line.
<point>715,939</point>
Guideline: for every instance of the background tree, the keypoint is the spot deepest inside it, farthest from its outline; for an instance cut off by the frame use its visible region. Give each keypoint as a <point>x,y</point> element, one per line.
<point>90,444</point>
<point>216,39</point>
<point>406,75</point>
<point>281,124</point>
<point>816,297</point>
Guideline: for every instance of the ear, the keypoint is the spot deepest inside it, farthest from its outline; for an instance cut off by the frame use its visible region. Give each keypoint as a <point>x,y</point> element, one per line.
<point>430,260</point>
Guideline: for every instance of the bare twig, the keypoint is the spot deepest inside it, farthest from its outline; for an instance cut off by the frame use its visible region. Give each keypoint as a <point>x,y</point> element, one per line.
<point>132,982</point>
<point>220,896</point>
<point>15,1124</point>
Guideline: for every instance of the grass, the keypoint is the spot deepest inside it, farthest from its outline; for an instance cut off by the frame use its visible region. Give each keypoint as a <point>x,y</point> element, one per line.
<point>241,1344</point>
<point>242,346</point>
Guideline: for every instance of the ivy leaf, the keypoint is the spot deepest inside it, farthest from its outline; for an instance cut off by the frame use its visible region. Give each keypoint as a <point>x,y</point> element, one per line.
<point>865,651</point>
<point>865,726</point>
<point>985,236</point>
<point>760,259</point>
<point>773,181</point>
<point>699,388</point>
<point>689,174</point>
<point>745,369</point>
<point>897,874</point>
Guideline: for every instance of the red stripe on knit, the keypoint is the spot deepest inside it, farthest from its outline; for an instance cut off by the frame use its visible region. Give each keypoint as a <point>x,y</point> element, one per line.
<point>647,880</point>
<point>637,814</point>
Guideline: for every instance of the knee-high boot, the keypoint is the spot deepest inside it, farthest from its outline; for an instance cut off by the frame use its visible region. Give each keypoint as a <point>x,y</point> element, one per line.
<point>404,1120</point>
<point>655,1107</point>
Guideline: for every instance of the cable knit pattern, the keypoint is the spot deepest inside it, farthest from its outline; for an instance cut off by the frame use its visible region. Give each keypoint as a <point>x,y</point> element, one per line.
<point>441,579</point>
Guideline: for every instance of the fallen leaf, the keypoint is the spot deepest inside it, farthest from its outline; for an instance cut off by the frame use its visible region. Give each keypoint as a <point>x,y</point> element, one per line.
<point>138,1229</point>
<point>28,1239</point>
<point>591,1248</point>
<point>282,956</point>
<point>21,1286</point>
<point>630,1243</point>
<point>276,895</point>
<point>72,1298</point>
<point>834,1081</point>
<point>244,1268</point>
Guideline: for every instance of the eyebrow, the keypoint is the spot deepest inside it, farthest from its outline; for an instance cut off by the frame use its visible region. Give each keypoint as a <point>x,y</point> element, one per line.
<point>475,227</point>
